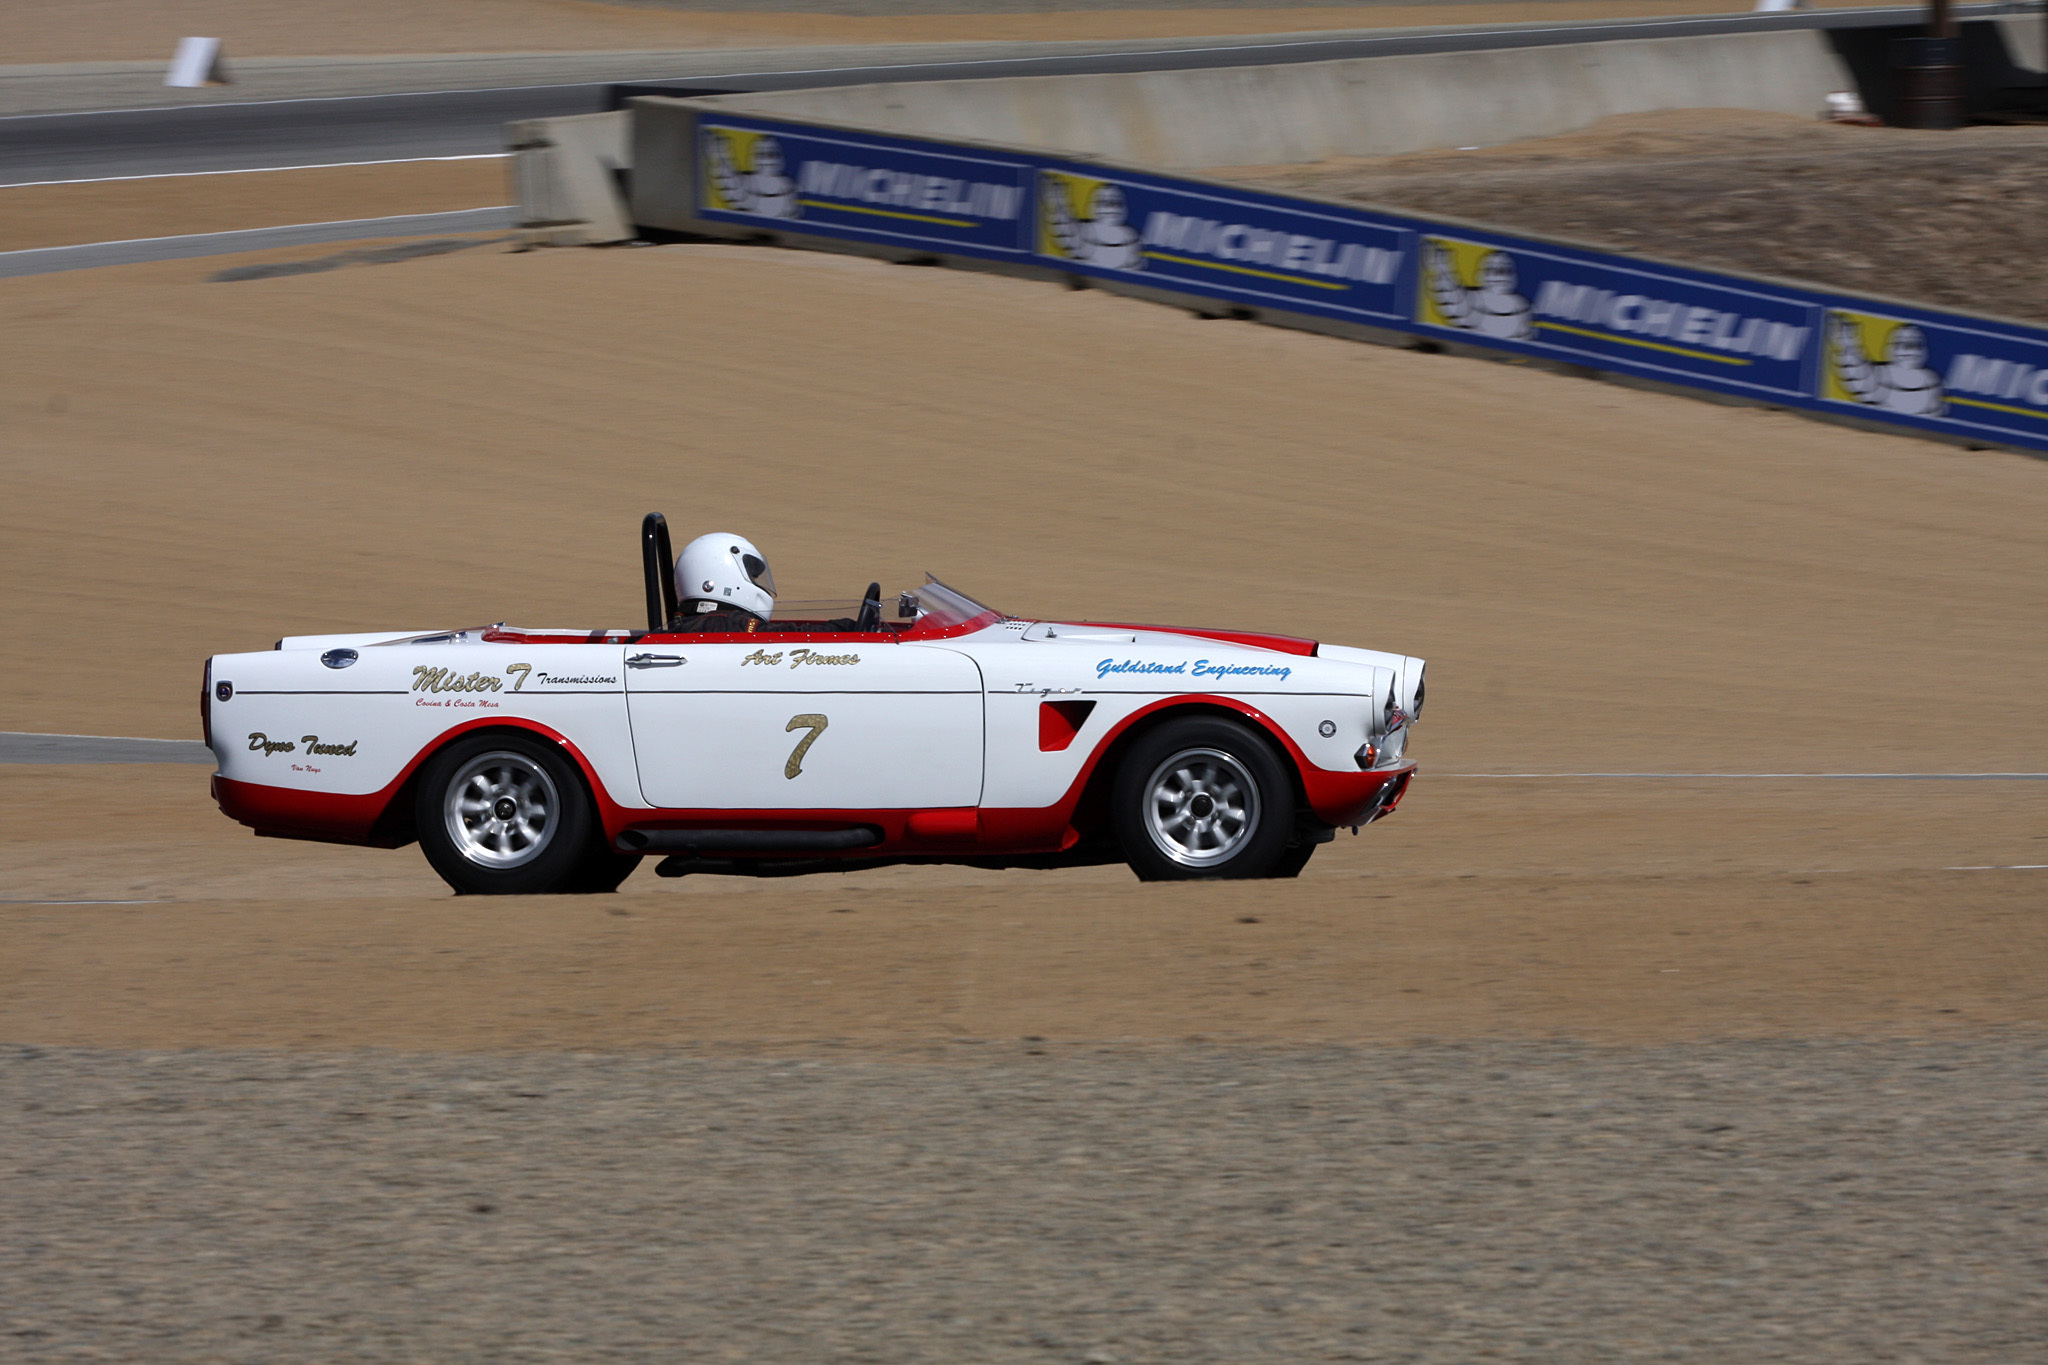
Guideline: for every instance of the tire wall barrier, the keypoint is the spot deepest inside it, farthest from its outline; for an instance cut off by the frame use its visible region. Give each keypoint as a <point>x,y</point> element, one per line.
<point>1371,273</point>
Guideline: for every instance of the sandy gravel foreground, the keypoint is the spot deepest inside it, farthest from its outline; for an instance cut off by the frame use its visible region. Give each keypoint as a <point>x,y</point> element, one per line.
<point>1715,1202</point>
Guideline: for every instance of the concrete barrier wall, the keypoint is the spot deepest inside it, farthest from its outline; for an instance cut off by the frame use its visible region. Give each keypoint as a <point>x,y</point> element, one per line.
<point>1380,106</point>
<point>2025,37</point>
<point>570,172</point>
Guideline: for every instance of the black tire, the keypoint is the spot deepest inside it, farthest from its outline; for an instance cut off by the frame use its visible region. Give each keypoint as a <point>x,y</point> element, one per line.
<point>1202,798</point>
<point>506,815</point>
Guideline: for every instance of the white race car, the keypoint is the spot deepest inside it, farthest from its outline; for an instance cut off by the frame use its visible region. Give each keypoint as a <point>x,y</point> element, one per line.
<point>529,761</point>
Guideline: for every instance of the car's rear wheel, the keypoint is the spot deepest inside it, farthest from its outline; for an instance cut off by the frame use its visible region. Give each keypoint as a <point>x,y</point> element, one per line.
<point>1202,798</point>
<point>507,815</point>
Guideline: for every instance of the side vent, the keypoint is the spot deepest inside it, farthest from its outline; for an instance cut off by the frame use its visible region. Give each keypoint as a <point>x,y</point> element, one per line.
<point>1059,722</point>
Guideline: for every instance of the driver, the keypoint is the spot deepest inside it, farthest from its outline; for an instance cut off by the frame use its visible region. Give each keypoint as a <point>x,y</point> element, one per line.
<point>723,584</point>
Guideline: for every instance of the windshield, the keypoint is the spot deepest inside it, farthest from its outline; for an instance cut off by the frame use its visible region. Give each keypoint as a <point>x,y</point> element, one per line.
<point>938,606</point>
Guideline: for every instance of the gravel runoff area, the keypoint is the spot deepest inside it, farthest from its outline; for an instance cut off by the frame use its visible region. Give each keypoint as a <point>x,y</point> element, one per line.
<point>1755,1201</point>
<point>18,746</point>
<point>1950,218</point>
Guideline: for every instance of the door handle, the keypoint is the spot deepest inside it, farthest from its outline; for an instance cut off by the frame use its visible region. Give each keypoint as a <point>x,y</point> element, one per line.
<point>655,660</point>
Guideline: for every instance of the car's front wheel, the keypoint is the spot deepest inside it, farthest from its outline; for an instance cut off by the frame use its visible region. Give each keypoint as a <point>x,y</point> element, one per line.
<point>1202,797</point>
<point>506,815</point>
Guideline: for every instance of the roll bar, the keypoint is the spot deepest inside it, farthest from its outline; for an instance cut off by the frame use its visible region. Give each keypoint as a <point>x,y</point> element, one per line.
<point>658,562</point>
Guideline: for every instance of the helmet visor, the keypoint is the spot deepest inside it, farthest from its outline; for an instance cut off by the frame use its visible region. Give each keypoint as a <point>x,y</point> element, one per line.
<point>758,574</point>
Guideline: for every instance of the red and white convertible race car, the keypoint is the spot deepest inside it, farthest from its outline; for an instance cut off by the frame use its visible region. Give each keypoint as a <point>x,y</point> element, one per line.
<point>764,738</point>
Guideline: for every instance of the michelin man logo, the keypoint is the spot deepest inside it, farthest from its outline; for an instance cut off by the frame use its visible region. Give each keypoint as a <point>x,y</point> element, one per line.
<point>745,173</point>
<point>1473,288</point>
<point>1087,221</point>
<point>1900,382</point>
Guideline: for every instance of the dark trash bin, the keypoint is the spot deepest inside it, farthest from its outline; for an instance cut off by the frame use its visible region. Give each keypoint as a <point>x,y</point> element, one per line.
<point>1929,89</point>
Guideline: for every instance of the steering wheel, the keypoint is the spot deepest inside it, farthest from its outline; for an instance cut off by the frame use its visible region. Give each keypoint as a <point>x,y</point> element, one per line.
<point>870,617</point>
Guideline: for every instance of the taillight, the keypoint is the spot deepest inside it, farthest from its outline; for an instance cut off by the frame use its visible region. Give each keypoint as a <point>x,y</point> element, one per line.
<point>206,704</point>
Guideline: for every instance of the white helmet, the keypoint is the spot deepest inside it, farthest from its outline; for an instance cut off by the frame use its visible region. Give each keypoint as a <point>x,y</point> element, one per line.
<point>724,570</point>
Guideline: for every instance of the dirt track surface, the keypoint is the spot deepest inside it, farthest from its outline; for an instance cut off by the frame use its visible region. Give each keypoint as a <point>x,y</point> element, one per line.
<point>1625,914</point>
<point>1602,579</point>
<point>111,30</point>
<point>1741,1202</point>
<point>1932,217</point>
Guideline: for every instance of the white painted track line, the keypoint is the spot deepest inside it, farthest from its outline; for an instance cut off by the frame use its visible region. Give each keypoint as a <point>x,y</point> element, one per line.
<point>1816,777</point>
<point>23,747</point>
<point>2001,867</point>
<point>259,170</point>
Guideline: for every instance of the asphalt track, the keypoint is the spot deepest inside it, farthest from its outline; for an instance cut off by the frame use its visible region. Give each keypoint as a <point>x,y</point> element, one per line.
<point>89,255</point>
<point>19,747</point>
<point>308,132</point>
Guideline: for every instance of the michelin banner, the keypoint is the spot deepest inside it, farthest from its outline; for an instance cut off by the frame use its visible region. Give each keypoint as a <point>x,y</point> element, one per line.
<point>804,179</point>
<point>1193,238</point>
<point>1970,379</point>
<point>1967,378</point>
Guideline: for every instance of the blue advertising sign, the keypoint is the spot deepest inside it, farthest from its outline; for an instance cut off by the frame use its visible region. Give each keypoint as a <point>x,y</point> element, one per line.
<point>1969,378</point>
<point>1678,325</point>
<point>860,186</point>
<point>1203,239</point>
<point>1804,348</point>
<point>1940,373</point>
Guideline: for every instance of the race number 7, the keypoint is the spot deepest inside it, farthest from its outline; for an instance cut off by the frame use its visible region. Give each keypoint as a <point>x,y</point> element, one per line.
<point>816,725</point>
